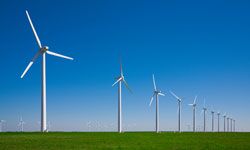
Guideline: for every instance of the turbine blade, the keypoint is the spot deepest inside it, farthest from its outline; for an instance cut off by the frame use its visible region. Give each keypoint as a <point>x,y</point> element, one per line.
<point>58,55</point>
<point>151,100</point>
<point>31,63</point>
<point>174,95</point>
<point>154,82</point>
<point>121,71</point>
<point>117,81</point>
<point>27,68</point>
<point>34,30</point>
<point>126,84</point>
<point>202,111</point>
<point>190,104</point>
<point>178,109</point>
<point>204,104</point>
<point>161,94</point>
<point>195,99</point>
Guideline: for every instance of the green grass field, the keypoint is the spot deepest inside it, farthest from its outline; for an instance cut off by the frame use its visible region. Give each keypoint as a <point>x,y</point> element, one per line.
<point>130,140</point>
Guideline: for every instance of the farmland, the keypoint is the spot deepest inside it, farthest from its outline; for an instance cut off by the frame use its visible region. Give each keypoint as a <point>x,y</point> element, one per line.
<point>128,140</point>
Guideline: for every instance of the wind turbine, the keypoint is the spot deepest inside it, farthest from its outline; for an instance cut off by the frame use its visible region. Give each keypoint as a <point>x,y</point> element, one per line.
<point>120,80</point>
<point>231,124</point>
<point>43,50</point>
<point>179,100</point>
<point>218,114</point>
<point>49,126</point>
<point>212,112</point>
<point>20,124</point>
<point>227,124</point>
<point>194,108</point>
<point>156,93</point>
<point>224,116</point>
<point>234,125</point>
<point>204,109</point>
<point>1,125</point>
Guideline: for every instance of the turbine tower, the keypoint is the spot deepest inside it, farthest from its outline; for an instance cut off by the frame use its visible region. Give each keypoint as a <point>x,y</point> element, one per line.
<point>224,116</point>
<point>212,112</point>
<point>218,114</point>
<point>204,109</point>
<point>194,109</point>
<point>120,80</point>
<point>156,93</point>
<point>20,124</point>
<point>43,50</point>
<point>179,100</point>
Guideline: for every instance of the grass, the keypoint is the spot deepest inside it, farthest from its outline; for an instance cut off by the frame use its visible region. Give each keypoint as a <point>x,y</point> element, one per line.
<point>130,140</point>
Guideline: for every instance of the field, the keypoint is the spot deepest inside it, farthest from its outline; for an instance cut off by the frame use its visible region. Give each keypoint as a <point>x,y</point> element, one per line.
<point>130,140</point>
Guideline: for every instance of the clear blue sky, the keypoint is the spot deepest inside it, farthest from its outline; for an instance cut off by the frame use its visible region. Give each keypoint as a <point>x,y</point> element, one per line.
<point>192,48</point>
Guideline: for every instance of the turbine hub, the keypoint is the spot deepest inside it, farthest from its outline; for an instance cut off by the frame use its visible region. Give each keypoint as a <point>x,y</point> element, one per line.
<point>44,49</point>
<point>157,92</point>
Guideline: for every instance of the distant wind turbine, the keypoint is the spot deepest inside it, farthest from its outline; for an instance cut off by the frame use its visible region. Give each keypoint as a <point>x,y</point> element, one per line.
<point>194,109</point>
<point>49,126</point>
<point>204,109</point>
<point>212,112</point>
<point>224,116</point>
<point>234,125</point>
<point>179,100</point>
<point>227,124</point>
<point>43,50</point>
<point>120,80</point>
<point>156,93</point>
<point>218,114</point>
<point>1,125</point>
<point>20,124</point>
<point>231,124</point>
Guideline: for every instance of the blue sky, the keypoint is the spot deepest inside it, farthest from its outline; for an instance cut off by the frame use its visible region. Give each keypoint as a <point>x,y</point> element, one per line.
<point>193,48</point>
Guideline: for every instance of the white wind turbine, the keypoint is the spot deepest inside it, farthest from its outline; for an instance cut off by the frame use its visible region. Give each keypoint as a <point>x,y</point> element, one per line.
<point>43,50</point>
<point>1,125</point>
<point>224,116</point>
<point>231,124</point>
<point>234,125</point>
<point>20,124</point>
<point>119,80</point>
<point>156,93</point>
<point>227,123</point>
<point>212,112</point>
<point>49,126</point>
<point>218,114</point>
<point>179,100</point>
<point>204,110</point>
<point>194,111</point>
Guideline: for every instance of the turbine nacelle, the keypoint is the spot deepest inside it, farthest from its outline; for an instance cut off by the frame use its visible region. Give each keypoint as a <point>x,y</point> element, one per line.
<point>122,79</point>
<point>225,115</point>
<point>156,92</point>
<point>177,98</point>
<point>44,49</point>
